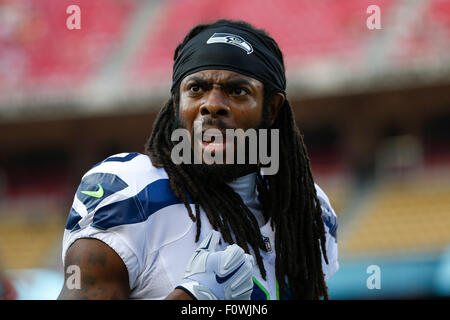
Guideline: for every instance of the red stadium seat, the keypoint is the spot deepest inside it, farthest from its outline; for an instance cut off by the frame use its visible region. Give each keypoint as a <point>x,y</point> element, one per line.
<point>343,29</point>
<point>44,52</point>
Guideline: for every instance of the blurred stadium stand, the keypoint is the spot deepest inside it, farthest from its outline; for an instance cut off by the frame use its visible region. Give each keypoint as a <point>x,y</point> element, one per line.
<point>373,105</point>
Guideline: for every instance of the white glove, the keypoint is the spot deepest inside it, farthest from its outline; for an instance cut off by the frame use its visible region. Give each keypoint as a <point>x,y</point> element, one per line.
<point>222,275</point>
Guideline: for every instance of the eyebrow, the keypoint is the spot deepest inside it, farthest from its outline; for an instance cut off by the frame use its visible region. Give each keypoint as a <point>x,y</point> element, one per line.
<point>227,84</point>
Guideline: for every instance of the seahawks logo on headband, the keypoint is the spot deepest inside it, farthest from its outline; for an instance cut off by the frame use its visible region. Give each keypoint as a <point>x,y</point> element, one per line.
<point>231,39</point>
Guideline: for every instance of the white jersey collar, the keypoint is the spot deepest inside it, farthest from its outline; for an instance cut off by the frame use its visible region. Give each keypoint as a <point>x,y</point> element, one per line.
<point>245,186</point>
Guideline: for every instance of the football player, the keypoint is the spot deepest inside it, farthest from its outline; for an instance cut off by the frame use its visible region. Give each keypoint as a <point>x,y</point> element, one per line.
<point>144,227</point>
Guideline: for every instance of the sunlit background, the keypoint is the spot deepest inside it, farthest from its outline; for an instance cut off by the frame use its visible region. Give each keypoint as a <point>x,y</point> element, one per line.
<point>374,106</point>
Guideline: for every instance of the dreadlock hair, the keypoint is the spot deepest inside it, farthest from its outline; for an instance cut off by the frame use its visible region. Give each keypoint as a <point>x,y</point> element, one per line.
<point>288,198</point>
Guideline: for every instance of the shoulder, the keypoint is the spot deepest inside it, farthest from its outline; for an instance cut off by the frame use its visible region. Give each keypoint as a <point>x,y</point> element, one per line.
<point>119,190</point>
<point>323,198</point>
<point>114,203</point>
<point>131,168</point>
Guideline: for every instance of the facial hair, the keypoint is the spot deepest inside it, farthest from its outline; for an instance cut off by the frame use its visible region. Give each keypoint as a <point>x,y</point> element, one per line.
<point>215,173</point>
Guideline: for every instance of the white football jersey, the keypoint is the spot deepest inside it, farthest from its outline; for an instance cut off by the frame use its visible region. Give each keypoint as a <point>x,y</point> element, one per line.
<point>127,203</point>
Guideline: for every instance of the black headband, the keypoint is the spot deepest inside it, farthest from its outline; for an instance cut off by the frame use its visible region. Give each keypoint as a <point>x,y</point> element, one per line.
<point>228,47</point>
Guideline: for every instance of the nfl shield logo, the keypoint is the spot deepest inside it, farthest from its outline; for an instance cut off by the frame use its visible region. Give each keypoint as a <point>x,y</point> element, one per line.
<point>267,242</point>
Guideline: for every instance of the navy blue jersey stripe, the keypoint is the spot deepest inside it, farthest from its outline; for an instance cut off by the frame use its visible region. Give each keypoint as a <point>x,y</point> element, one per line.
<point>330,221</point>
<point>117,213</point>
<point>154,197</point>
<point>72,220</point>
<point>257,293</point>
<point>126,158</point>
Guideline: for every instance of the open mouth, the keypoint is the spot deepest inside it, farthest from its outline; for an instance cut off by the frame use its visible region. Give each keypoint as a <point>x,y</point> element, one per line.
<point>213,140</point>
<point>210,142</point>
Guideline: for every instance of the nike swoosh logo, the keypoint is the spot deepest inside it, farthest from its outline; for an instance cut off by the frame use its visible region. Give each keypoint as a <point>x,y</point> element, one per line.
<point>96,194</point>
<point>223,279</point>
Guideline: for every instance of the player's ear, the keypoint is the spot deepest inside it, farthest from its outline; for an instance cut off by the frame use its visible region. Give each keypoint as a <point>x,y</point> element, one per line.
<point>275,104</point>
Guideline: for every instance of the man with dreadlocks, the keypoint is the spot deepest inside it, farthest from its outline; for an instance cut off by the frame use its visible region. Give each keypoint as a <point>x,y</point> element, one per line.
<point>145,226</point>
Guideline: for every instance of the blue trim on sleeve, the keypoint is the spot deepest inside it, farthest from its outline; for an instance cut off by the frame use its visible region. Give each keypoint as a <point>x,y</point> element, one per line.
<point>126,158</point>
<point>154,197</point>
<point>72,220</point>
<point>257,293</point>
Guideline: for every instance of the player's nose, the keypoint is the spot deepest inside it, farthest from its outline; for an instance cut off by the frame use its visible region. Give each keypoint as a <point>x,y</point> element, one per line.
<point>215,104</point>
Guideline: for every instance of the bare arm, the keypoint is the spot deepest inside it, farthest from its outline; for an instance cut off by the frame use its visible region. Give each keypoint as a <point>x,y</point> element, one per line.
<point>103,273</point>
